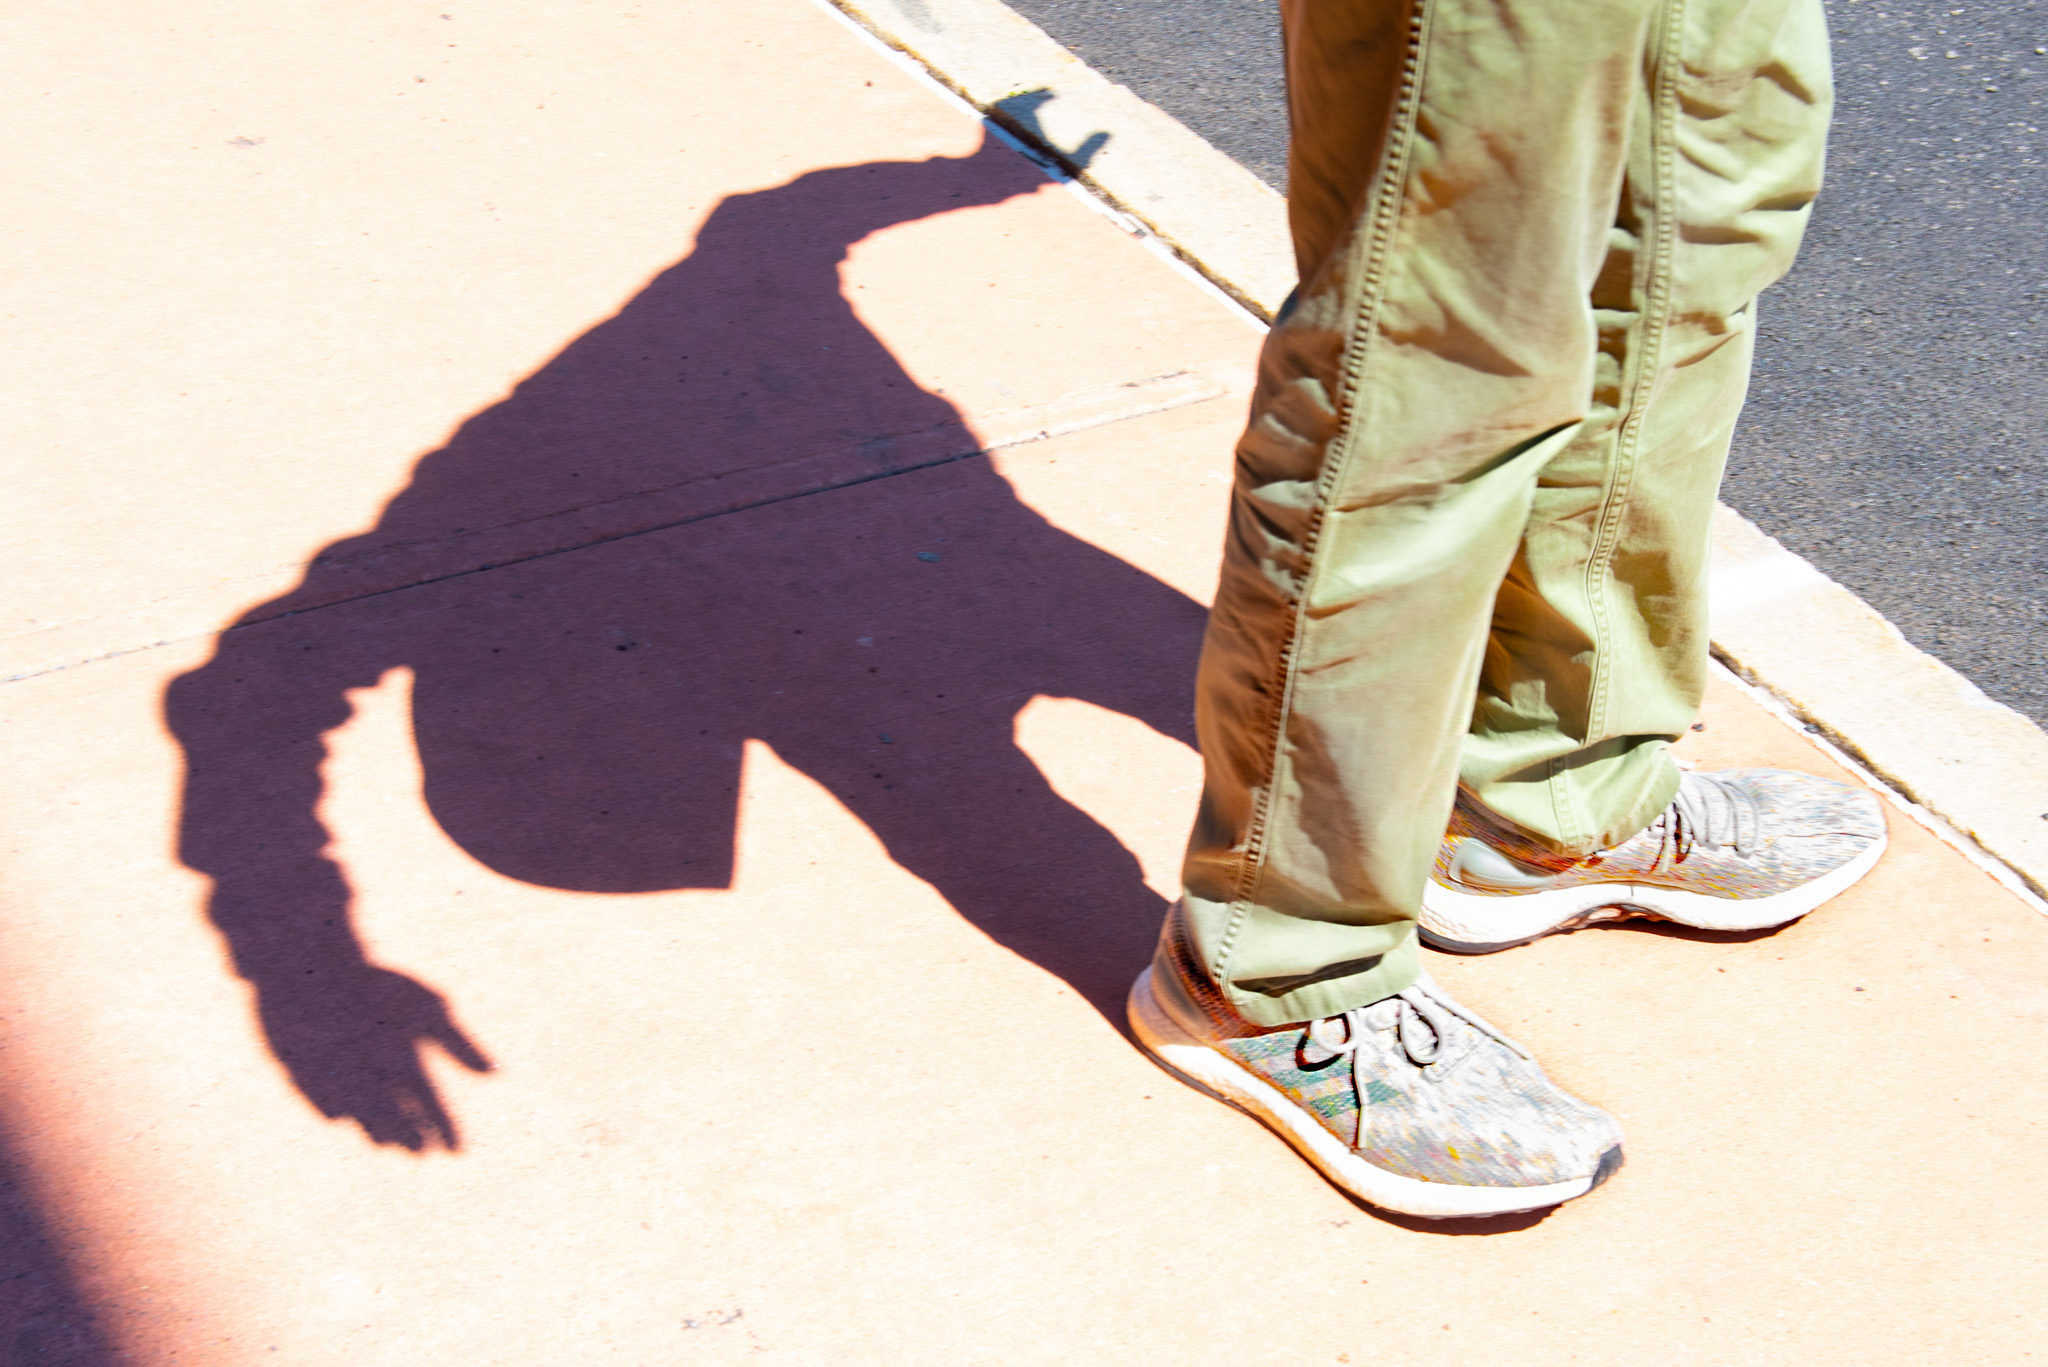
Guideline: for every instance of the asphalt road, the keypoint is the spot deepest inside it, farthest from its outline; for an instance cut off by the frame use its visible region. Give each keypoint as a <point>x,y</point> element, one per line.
<point>1897,430</point>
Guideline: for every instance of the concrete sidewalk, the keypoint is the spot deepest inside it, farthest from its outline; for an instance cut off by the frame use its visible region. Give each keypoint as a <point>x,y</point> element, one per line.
<point>714,551</point>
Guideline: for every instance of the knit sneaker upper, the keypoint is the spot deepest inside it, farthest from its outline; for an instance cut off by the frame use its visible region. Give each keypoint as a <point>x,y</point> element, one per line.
<point>1415,1084</point>
<point>1737,833</point>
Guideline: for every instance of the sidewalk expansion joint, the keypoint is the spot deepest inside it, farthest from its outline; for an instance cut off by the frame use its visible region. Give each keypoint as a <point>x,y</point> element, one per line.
<point>1077,412</point>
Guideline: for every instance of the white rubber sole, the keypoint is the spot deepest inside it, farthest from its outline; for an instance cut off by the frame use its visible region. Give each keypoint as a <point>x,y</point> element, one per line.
<point>1222,1077</point>
<point>1472,923</point>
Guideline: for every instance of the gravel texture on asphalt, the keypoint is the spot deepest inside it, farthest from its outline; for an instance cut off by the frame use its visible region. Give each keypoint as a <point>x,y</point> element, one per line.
<point>1897,430</point>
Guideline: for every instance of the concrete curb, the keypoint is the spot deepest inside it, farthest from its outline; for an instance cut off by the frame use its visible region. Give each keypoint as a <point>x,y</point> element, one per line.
<point>1973,770</point>
<point>1217,216</point>
<point>1841,668</point>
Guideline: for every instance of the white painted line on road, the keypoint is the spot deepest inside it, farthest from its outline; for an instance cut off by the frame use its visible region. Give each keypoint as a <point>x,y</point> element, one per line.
<point>1973,771</point>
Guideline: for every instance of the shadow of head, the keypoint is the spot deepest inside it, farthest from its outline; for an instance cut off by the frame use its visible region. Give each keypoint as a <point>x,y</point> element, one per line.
<point>596,625</point>
<point>1022,115</point>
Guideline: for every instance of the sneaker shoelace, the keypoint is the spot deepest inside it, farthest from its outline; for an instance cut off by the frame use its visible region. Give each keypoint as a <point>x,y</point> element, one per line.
<point>1423,1023</point>
<point>1709,811</point>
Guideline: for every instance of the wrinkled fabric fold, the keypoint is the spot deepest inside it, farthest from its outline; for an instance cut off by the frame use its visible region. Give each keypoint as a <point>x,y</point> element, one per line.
<point>1467,538</point>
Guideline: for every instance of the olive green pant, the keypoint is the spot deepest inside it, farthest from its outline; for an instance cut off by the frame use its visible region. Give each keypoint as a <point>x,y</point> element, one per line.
<point>1468,535</point>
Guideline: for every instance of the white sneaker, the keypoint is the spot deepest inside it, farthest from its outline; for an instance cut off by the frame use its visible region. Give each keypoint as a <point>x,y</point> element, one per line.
<point>1742,849</point>
<point>1412,1104</point>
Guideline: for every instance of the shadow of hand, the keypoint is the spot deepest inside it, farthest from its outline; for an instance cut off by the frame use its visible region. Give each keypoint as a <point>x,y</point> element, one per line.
<point>351,1040</point>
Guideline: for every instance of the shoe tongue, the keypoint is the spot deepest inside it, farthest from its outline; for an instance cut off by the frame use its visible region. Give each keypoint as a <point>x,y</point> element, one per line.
<point>1382,1013</point>
<point>1711,809</point>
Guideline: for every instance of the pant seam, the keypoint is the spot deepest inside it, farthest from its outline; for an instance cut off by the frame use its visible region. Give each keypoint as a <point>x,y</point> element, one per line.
<point>1388,197</point>
<point>1656,309</point>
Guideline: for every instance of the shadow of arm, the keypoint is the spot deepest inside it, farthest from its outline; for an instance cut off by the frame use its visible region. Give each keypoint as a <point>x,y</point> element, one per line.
<point>347,1031</point>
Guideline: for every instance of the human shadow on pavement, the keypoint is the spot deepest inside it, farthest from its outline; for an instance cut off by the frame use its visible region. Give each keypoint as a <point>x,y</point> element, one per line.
<point>45,1319</point>
<point>580,717</point>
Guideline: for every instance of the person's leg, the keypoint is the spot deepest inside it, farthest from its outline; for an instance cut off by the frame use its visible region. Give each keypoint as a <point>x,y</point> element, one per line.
<point>1484,388</point>
<point>1456,166</point>
<point>1572,810</point>
<point>1598,653</point>
<point>1456,170</point>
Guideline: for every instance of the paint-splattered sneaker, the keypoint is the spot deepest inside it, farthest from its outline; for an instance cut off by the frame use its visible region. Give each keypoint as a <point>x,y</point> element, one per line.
<point>1412,1104</point>
<point>1741,849</point>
